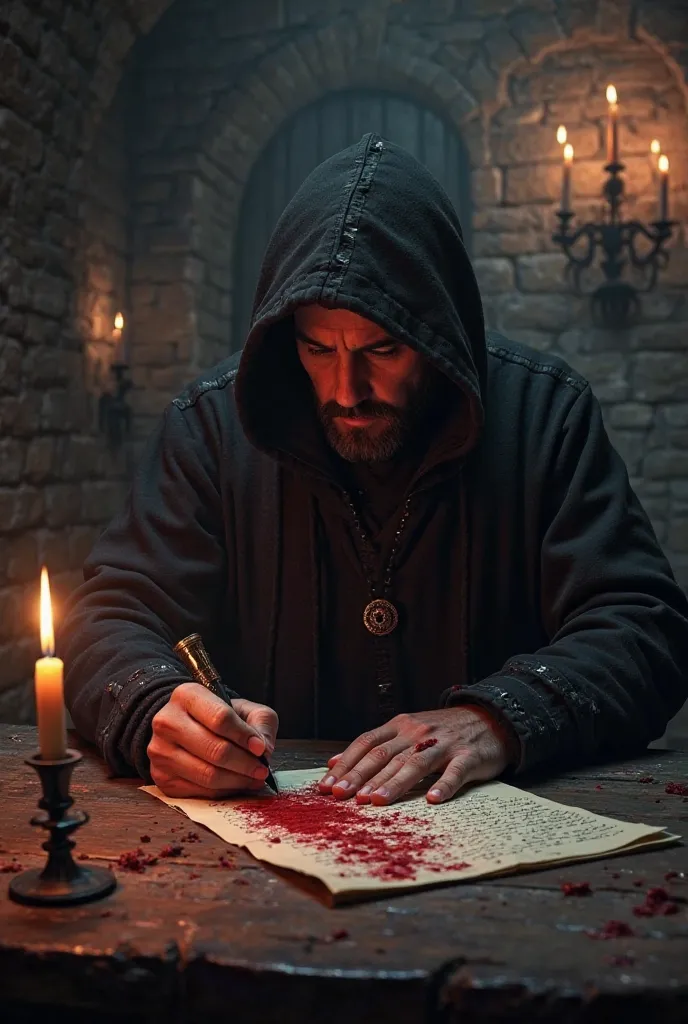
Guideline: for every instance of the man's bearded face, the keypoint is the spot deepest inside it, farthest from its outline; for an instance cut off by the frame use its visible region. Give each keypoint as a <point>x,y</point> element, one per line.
<point>371,390</point>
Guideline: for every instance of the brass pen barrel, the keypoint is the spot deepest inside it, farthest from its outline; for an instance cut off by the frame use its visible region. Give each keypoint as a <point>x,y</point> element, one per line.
<point>196,658</point>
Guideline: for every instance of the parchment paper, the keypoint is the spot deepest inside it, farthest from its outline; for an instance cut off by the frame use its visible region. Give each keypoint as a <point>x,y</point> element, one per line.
<point>492,828</point>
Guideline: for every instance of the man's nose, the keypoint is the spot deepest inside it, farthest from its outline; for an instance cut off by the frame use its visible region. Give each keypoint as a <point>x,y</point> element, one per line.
<point>351,385</point>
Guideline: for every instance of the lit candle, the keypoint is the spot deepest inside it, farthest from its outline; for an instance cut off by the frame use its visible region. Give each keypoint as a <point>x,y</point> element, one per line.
<point>655,149</point>
<point>612,126</point>
<point>50,710</point>
<point>117,337</point>
<point>663,167</point>
<point>562,135</point>
<point>566,179</point>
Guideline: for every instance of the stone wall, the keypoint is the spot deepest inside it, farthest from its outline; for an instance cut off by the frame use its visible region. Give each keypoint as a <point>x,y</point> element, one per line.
<point>211,83</point>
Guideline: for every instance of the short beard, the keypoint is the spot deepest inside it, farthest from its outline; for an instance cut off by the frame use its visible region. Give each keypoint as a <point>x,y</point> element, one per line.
<point>358,445</point>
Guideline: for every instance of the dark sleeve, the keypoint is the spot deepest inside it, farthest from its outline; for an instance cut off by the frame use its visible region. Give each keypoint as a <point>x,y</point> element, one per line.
<point>615,669</point>
<point>156,574</point>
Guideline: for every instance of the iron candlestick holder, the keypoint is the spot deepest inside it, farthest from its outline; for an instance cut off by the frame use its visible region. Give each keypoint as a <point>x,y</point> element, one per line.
<point>62,882</point>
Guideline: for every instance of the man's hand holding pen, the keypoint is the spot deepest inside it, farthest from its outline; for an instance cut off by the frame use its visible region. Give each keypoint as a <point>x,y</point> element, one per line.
<point>203,747</point>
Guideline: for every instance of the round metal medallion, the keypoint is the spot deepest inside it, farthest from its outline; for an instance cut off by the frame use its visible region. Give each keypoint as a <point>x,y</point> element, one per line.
<point>380,617</point>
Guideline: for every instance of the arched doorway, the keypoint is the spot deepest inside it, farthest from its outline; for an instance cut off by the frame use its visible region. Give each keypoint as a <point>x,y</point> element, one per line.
<point>309,137</point>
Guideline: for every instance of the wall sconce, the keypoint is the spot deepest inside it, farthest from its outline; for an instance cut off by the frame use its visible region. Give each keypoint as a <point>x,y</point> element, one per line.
<point>114,412</point>
<point>615,301</point>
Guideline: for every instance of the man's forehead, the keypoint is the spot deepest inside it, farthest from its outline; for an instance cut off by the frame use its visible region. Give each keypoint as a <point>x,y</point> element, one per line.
<point>314,317</point>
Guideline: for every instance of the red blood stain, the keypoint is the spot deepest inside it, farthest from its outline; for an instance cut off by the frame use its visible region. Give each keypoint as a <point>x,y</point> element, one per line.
<point>171,851</point>
<point>647,778</point>
<point>144,839</point>
<point>425,745</point>
<point>576,888</point>
<point>669,875</point>
<point>599,787</point>
<point>274,839</point>
<point>657,901</point>
<point>390,847</point>
<point>136,860</point>
<point>10,867</point>
<point>612,930</point>
<point>676,789</point>
<point>339,934</point>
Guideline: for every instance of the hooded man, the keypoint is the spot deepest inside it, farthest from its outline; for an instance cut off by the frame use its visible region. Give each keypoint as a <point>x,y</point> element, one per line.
<point>388,529</point>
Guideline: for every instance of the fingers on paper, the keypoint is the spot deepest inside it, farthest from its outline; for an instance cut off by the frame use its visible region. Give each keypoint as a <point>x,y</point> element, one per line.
<point>371,745</point>
<point>462,769</point>
<point>402,773</point>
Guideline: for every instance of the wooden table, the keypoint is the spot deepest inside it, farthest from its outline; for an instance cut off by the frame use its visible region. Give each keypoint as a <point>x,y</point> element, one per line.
<point>190,941</point>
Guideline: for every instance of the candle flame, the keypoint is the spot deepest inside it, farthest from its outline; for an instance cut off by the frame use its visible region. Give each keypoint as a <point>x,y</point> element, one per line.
<point>119,322</point>
<point>663,164</point>
<point>568,153</point>
<point>562,134</point>
<point>47,634</point>
<point>655,147</point>
<point>612,97</point>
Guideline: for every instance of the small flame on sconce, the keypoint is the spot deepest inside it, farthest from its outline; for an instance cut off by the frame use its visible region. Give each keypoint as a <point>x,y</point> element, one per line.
<point>663,164</point>
<point>119,322</point>
<point>568,153</point>
<point>562,134</point>
<point>655,147</point>
<point>612,96</point>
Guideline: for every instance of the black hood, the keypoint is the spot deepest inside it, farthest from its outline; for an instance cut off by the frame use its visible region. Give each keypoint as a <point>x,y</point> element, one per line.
<point>372,231</point>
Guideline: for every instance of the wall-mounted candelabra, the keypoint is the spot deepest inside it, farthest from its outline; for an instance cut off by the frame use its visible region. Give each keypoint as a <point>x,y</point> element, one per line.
<point>620,243</point>
<point>114,411</point>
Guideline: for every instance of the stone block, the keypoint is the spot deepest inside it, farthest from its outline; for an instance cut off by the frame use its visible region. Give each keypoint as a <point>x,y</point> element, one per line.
<point>522,143</point>
<point>62,505</point>
<point>21,145</point>
<point>49,295</point>
<point>16,692</point>
<point>675,415</point>
<point>502,49</point>
<point>11,353</point>
<point>665,465</point>
<point>532,183</point>
<point>542,272</point>
<point>535,30</point>
<point>494,275</point>
<point>12,454</point>
<point>539,312</point>
<point>506,243</point>
<point>81,541</point>
<point>20,508</point>
<point>677,535</point>
<point>607,374</point>
<point>631,415</point>
<point>486,186</point>
<point>41,463</point>
<point>23,565</point>
<point>508,219</point>
<point>541,341</point>
<point>660,376</point>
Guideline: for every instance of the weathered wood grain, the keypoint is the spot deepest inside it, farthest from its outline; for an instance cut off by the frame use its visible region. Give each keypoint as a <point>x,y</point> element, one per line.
<point>191,941</point>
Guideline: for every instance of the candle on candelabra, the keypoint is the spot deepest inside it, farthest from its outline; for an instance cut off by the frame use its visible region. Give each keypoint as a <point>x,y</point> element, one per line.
<point>566,179</point>
<point>562,135</point>
<point>612,126</point>
<point>50,710</point>
<point>663,167</point>
<point>118,327</point>
<point>655,150</point>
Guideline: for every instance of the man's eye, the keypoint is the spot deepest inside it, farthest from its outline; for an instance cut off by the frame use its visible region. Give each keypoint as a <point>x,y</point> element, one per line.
<point>386,350</point>
<point>313,351</point>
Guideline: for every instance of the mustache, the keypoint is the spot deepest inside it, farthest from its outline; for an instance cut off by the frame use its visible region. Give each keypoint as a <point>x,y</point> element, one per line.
<point>378,410</point>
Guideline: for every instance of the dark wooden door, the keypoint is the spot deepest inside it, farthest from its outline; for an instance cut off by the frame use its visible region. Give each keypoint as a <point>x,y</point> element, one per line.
<point>317,132</point>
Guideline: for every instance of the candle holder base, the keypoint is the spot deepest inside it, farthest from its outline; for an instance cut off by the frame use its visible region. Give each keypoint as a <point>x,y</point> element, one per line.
<point>62,882</point>
<point>32,889</point>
